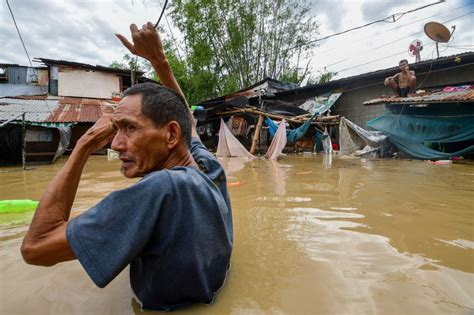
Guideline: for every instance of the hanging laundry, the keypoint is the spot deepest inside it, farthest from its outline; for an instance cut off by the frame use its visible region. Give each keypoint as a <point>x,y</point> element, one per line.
<point>278,142</point>
<point>228,145</point>
<point>237,125</point>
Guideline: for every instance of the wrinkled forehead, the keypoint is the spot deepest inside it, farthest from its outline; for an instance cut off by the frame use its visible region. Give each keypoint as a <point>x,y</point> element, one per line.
<point>129,105</point>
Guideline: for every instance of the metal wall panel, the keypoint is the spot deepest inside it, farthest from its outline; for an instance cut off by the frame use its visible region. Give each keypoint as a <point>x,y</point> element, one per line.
<point>17,75</point>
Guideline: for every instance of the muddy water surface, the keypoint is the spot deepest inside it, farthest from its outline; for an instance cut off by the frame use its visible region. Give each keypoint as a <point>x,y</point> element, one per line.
<point>312,236</point>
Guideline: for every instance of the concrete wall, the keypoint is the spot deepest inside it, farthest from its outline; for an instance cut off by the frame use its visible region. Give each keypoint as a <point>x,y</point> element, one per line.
<point>82,83</point>
<point>350,104</point>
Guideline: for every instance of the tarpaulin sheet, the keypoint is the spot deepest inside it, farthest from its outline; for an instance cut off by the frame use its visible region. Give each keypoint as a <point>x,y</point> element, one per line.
<point>353,138</point>
<point>292,135</point>
<point>320,104</point>
<point>413,134</point>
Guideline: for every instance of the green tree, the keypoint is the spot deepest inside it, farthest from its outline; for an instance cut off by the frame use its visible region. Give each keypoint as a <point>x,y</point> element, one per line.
<point>129,62</point>
<point>322,77</point>
<point>231,44</point>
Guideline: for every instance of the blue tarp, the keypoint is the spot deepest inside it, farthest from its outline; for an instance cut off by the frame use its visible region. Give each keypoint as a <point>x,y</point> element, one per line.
<point>420,135</point>
<point>292,135</point>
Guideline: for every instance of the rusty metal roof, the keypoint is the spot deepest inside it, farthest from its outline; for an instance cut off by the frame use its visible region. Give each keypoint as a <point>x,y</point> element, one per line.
<point>62,110</point>
<point>80,113</point>
<point>460,96</point>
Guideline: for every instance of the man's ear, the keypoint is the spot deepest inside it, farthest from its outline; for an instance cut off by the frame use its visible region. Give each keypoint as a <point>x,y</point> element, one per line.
<point>173,135</point>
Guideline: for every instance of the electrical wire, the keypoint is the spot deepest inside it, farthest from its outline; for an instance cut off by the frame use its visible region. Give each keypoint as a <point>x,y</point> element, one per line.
<point>418,74</point>
<point>174,40</point>
<point>373,61</point>
<point>156,25</point>
<point>384,45</point>
<point>429,71</point>
<point>395,17</point>
<point>161,15</point>
<point>395,28</point>
<point>28,55</point>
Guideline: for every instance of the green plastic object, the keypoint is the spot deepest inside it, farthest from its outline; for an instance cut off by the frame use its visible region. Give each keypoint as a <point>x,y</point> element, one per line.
<point>9,206</point>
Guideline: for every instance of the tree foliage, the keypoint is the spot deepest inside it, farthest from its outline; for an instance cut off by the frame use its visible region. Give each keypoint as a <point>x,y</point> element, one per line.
<point>129,62</point>
<point>322,77</point>
<point>231,44</point>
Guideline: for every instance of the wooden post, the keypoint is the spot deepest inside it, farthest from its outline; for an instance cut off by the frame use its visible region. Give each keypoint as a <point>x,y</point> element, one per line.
<point>23,147</point>
<point>256,135</point>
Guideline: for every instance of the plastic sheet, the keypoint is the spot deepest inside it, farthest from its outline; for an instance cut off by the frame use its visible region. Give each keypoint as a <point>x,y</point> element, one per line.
<point>353,138</point>
<point>278,142</point>
<point>292,135</point>
<point>64,139</point>
<point>228,145</point>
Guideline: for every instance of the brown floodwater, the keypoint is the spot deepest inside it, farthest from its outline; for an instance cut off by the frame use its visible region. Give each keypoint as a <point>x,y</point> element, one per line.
<point>312,236</point>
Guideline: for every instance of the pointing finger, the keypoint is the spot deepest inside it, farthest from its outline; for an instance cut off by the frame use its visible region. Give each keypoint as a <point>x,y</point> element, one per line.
<point>125,42</point>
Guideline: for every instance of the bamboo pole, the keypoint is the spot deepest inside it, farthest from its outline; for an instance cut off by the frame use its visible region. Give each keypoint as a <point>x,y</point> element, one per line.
<point>256,111</point>
<point>23,146</point>
<point>256,136</point>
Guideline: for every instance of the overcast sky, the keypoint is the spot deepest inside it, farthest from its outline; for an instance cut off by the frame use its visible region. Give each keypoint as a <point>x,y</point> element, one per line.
<point>83,31</point>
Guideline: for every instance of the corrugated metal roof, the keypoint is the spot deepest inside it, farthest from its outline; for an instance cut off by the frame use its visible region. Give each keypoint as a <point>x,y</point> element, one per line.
<point>66,109</point>
<point>36,110</point>
<point>427,98</point>
<point>79,113</point>
<point>10,89</point>
<point>86,66</point>
<point>353,82</point>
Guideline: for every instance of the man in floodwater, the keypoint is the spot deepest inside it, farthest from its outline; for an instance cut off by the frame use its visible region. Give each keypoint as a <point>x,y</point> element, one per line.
<point>403,82</point>
<point>173,227</point>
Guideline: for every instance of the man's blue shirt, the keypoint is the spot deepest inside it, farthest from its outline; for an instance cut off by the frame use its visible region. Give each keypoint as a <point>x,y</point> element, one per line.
<point>174,228</point>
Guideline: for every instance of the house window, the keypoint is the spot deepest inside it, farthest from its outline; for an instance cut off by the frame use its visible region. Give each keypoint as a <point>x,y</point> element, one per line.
<point>3,74</point>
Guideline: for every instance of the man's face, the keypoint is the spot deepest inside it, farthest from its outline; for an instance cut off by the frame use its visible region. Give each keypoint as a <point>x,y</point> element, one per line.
<point>142,146</point>
<point>403,66</point>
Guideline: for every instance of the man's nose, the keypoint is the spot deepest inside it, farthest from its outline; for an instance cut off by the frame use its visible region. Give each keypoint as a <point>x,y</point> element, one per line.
<point>119,142</point>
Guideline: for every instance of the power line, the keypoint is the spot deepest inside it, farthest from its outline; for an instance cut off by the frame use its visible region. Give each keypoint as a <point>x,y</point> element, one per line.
<point>396,28</point>
<point>394,18</point>
<point>383,58</point>
<point>388,43</point>
<point>350,68</point>
<point>27,55</point>
<point>418,74</point>
<point>174,40</point>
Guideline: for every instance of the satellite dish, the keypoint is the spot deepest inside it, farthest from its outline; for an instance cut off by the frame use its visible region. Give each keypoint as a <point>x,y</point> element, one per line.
<point>438,32</point>
<point>414,49</point>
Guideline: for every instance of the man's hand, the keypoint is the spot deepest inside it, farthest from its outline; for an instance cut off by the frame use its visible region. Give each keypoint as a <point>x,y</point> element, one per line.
<point>101,133</point>
<point>146,42</point>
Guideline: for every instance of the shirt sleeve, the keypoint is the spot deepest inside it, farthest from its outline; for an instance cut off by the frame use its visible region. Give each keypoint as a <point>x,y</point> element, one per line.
<point>107,237</point>
<point>207,161</point>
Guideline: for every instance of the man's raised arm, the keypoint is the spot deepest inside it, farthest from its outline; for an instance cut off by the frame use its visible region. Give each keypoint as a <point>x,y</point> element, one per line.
<point>45,242</point>
<point>147,44</point>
